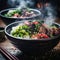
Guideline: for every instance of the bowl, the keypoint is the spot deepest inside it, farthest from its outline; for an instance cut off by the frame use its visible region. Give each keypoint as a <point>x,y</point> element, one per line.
<point>31,46</point>
<point>8,20</point>
<point>2,34</point>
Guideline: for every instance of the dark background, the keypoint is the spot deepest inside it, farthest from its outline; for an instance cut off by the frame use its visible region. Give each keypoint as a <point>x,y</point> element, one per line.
<point>4,5</point>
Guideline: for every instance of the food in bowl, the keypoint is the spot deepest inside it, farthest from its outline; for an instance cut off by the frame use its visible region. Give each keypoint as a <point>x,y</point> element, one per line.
<point>20,13</point>
<point>35,29</point>
<point>27,44</point>
<point>9,17</point>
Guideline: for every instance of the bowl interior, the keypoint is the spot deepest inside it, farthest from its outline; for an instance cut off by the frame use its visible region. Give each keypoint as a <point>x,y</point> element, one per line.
<point>9,28</point>
<point>37,12</point>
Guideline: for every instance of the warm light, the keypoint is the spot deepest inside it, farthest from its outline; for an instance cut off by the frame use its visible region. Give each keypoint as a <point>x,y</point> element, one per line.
<point>39,5</point>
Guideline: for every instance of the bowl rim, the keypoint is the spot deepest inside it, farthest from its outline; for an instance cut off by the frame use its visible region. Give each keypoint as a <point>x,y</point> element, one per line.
<point>39,13</point>
<point>46,39</point>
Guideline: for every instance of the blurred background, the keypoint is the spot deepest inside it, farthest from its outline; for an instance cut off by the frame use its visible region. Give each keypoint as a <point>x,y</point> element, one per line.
<point>4,4</point>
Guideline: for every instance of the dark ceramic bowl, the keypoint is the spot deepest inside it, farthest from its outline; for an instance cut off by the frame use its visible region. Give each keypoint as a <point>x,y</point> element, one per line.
<point>31,46</point>
<point>2,34</point>
<point>8,20</point>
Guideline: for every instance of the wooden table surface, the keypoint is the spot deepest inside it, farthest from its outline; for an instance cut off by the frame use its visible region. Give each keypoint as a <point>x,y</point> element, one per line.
<point>7,43</point>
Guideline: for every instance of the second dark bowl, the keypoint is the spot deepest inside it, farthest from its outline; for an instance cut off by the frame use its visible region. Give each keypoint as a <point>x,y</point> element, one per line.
<point>8,20</point>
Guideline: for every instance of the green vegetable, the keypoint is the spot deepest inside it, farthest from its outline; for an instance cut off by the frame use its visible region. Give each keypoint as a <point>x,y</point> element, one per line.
<point>32,30</point>
<point>20,31</point>
<point>10,14</point>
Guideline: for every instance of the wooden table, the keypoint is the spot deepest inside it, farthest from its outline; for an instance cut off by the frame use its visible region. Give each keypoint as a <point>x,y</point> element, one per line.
<point>7,44</point>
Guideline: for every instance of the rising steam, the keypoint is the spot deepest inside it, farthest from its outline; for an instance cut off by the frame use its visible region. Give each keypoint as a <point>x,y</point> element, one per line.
<point>48,12</point>
<point>20,3</point>
<point>51,14</point>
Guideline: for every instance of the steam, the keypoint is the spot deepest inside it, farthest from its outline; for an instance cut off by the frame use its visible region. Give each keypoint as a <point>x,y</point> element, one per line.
<point>20,3</point>
<point>51,14</point>
<point>49,20</point>
<point>48,12</point>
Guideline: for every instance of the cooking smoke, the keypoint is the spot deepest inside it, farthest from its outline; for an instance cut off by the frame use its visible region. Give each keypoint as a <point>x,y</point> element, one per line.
<point>50,14</point>
<point>21,3</point>
<point>47,10</point>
